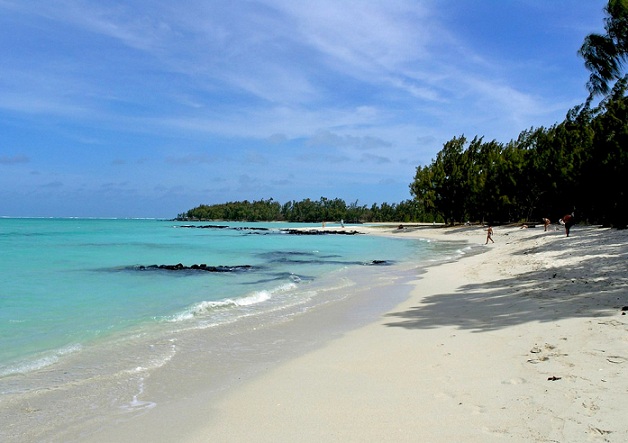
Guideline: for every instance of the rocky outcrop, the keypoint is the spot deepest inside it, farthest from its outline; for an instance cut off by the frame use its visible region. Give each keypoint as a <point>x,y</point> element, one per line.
<point>235,228</point>
<point>318,232</point>
<point>201,267</point>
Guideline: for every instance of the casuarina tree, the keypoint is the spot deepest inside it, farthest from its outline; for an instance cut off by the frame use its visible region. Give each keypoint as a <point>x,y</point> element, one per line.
<point>605,55</point>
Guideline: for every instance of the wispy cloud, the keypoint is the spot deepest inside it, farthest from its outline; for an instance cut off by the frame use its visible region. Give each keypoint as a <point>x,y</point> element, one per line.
<point>327,139</point>
<point>15,159</point>
<point>211,91</point>
<point>194,159</point>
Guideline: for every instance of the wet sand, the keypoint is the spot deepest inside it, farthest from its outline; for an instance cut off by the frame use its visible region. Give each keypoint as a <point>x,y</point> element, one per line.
<point>526,341</point>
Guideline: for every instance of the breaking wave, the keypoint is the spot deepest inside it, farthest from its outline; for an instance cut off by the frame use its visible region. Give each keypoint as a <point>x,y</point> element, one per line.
<point>207,307</point>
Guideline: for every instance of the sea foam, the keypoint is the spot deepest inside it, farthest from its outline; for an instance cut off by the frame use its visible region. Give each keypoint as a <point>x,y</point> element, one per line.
<point>207,307</point>
<point>40,362</point>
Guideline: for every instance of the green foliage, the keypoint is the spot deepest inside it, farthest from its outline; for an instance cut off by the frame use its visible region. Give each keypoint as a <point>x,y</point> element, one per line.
<point>578,164</point>
<point>244,211</point>
<point>309,211</point>
<point>605,171</point>
<point>605,55</point>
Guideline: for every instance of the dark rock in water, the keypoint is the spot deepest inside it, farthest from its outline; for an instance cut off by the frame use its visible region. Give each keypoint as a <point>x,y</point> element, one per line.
<point>176,267</point>
<point>379,262</point>
<point>205,226</point>
<point>201,267</point>
<point>317,232</point>
<point>237,228</point>
<point>624,308</point>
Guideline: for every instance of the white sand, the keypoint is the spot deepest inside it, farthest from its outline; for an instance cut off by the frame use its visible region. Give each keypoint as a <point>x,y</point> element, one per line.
<point>525,342</point>
<point>467,358</point>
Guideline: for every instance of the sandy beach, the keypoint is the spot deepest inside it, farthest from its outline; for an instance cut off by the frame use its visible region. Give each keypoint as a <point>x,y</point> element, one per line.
<point>525,342</point>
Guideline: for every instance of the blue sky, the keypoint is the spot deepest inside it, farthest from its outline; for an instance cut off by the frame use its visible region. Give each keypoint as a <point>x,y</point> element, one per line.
<point>144,108</point>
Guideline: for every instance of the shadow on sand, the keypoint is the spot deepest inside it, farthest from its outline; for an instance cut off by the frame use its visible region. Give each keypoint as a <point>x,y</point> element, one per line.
<point>595,286</point>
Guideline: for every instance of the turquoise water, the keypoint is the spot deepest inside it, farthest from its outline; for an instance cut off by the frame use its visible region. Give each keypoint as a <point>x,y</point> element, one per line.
<point>68,283</point>
<point>91,333</point>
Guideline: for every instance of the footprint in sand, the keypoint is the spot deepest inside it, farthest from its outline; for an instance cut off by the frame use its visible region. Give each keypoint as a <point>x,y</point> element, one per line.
<point>544,350</point>
<point>538,350</point>
<point>535,361</point>
<point>514,381</point>
<point>610,323</point>
<point>478,409</point>
<point>597,431</point>
<point>592,406</point>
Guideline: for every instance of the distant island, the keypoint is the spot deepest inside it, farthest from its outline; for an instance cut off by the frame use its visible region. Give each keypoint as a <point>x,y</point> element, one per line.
<point>310,211</point>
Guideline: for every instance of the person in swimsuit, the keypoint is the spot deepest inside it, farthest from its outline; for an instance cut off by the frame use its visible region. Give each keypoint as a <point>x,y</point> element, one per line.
<point>489,235</point>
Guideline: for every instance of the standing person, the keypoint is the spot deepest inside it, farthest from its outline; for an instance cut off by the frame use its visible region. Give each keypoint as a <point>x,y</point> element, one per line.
<point>546,223</point>
<point>489,235</point>
<point>568,220</point>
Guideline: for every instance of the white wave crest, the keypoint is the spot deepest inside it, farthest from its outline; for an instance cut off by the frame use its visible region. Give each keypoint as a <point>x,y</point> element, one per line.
<point>254,298</point>
<point>40,362</point>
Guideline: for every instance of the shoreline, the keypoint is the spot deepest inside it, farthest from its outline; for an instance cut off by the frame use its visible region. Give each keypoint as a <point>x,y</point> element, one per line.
<point>459,350</point>
<point>132,378</point>
<point>524,342</point>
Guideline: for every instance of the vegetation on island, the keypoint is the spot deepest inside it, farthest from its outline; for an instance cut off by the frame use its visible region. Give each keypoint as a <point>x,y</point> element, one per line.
<point>309,211</point>
<point>579,165</point>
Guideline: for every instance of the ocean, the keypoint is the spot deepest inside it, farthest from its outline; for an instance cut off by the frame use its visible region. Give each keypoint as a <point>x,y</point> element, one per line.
<point>95,306</point>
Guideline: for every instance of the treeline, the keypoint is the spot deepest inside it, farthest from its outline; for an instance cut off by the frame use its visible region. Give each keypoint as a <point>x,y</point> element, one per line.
<point>310,211</point>
<point>578,165</point>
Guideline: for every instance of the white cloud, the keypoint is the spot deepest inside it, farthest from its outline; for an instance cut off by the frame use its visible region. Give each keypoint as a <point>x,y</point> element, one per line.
<point>362,91</point>
<point>326,139</point>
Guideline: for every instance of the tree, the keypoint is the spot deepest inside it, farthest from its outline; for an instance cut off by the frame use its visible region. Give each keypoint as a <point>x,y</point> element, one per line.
<point>605,172</point>
<point>450,185</point>
<point>605,55</point>
<point>423,188</point>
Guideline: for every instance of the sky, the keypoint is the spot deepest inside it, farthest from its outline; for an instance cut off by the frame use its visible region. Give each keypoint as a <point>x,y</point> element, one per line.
<point>147,108</point>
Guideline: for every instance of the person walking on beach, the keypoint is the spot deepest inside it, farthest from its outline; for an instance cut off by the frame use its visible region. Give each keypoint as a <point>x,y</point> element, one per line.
<point>568,220</point>
<point>489,235</point>
<point>546,223</point>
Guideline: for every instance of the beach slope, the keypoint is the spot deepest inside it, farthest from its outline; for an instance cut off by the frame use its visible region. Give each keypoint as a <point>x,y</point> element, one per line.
<point>524,342</point>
